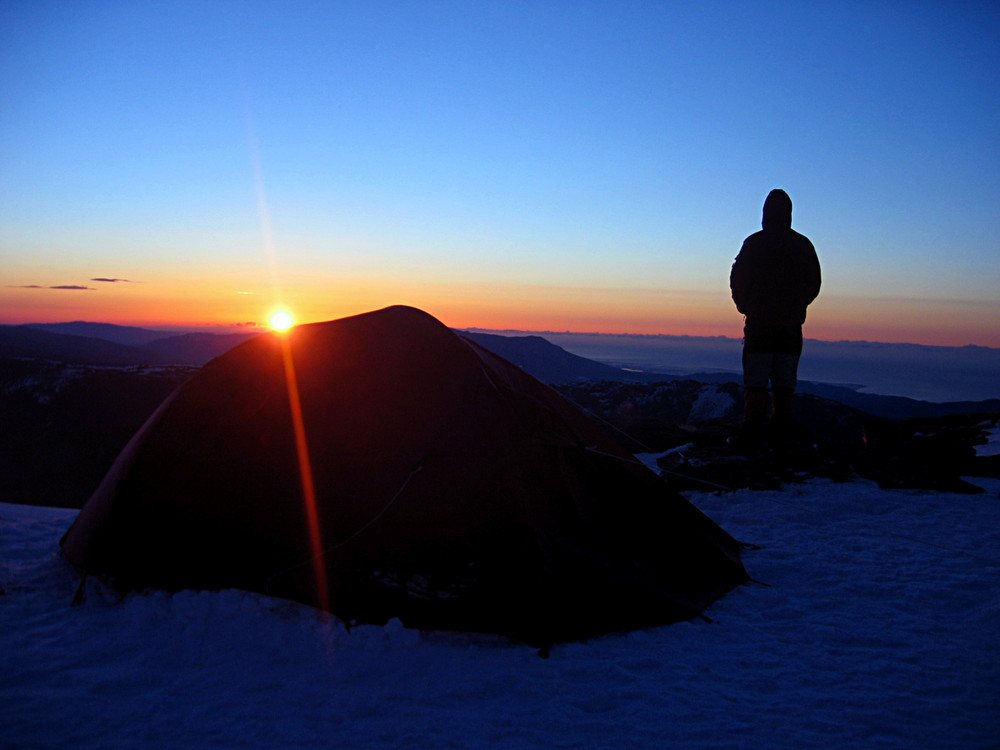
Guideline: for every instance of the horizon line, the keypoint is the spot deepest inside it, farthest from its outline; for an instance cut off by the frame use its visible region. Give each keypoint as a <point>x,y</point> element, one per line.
<point>253,327</point>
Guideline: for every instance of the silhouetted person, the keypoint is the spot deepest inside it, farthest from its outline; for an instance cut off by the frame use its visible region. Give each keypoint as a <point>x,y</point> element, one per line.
<point>775,277</point>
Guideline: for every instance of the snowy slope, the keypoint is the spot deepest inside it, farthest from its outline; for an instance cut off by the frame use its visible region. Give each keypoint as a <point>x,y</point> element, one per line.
<point>879,627</point>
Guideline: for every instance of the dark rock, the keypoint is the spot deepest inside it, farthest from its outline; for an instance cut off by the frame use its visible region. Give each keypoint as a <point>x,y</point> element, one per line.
<point>828,440</point>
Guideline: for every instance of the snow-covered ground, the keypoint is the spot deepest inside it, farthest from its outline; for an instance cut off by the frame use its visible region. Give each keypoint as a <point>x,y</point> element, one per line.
<point>992,445</point>
<point>878,627</point>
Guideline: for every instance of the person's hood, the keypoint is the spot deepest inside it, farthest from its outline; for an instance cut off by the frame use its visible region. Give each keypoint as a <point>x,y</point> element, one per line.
<point>777,210</point>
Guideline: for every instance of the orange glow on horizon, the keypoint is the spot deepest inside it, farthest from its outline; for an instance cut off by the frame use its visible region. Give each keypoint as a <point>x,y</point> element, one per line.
<point>500,307</point>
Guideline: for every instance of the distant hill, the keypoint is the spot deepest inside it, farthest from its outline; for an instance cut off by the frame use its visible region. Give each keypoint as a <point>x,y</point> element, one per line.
<point>554,365</point>
<point>27,342</point>
<point>104,347</point>
<point>69,403</point>
<point>546,361</point>
<point>63,424</point>
<point>917,371</point>
<point>127,335</point>
<point>196,348</point>
<point>899,407</point>
<point>102,343</point>
<point>887,407</point>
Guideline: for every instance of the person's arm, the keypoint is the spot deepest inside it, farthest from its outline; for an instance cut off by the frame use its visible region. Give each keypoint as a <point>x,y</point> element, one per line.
<point>738,281</point>
<point>815,277</point>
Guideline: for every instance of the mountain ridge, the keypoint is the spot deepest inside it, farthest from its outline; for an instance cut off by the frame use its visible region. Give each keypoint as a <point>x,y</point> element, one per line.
<point>535,354</point>
<point>718,337</point>
<point>70,403</point>
<point>38,342</point>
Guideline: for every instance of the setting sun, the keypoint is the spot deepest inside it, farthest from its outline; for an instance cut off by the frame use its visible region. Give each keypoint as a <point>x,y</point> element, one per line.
<point>281,320</point>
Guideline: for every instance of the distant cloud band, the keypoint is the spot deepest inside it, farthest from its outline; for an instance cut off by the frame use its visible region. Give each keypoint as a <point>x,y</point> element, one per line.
<point>75,287</point>
<point>78,287</point>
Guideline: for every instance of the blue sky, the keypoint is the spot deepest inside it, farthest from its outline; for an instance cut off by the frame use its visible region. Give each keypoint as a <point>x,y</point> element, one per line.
<point>544,165</point>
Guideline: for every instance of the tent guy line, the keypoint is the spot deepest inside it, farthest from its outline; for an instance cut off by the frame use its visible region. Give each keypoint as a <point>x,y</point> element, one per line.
<point>322,553</point>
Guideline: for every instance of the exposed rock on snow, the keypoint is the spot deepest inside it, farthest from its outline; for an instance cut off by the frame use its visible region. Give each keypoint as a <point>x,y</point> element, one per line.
<point>711,404</point>
<point>689,427</point>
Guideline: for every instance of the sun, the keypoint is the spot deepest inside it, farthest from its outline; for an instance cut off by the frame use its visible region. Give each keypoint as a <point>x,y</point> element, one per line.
<point>281,320</point>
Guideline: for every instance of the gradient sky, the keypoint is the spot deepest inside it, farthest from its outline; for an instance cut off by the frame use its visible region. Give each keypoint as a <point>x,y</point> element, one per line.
<point>586,166</point>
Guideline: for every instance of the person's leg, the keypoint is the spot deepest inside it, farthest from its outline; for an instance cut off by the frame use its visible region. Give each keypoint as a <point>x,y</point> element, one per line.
<point>756,373</point>
<point>784,400</point>
<point>754,406</point>
<point>756,369</point>
<point>784,377</point>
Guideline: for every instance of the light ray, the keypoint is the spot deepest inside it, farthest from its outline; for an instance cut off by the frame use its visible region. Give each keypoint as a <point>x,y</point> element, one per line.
<point>306,475</point>
<point>291,381</point>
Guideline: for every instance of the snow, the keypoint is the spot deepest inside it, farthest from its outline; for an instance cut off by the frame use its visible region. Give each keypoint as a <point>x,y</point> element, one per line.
<point>992,445</point>
<point>651,460</point>
<point>711,404</point>
<point>876,624</point>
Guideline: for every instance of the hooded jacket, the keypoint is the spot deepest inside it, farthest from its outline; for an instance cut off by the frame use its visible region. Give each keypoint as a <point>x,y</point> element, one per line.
<point>776,274</point>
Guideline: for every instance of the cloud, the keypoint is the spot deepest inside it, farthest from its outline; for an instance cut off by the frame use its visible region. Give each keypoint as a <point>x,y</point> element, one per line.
<point>115,281</point>
<point>75,287</point>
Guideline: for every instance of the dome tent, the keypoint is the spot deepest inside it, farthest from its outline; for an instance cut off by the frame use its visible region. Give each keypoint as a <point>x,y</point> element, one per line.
<point>451,490</point>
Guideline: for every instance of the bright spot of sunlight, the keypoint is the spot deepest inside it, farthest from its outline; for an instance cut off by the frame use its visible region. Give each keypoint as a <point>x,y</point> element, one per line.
<point>281,320</point>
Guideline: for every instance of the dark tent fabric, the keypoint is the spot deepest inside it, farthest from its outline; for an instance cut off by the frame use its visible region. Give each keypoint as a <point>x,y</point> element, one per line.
<point>452,490</point>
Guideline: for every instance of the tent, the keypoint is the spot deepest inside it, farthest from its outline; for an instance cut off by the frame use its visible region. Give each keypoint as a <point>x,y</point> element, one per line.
<point>383,466</point>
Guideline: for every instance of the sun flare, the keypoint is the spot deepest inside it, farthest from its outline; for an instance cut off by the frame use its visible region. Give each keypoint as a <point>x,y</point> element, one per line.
<point>281,320</point>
